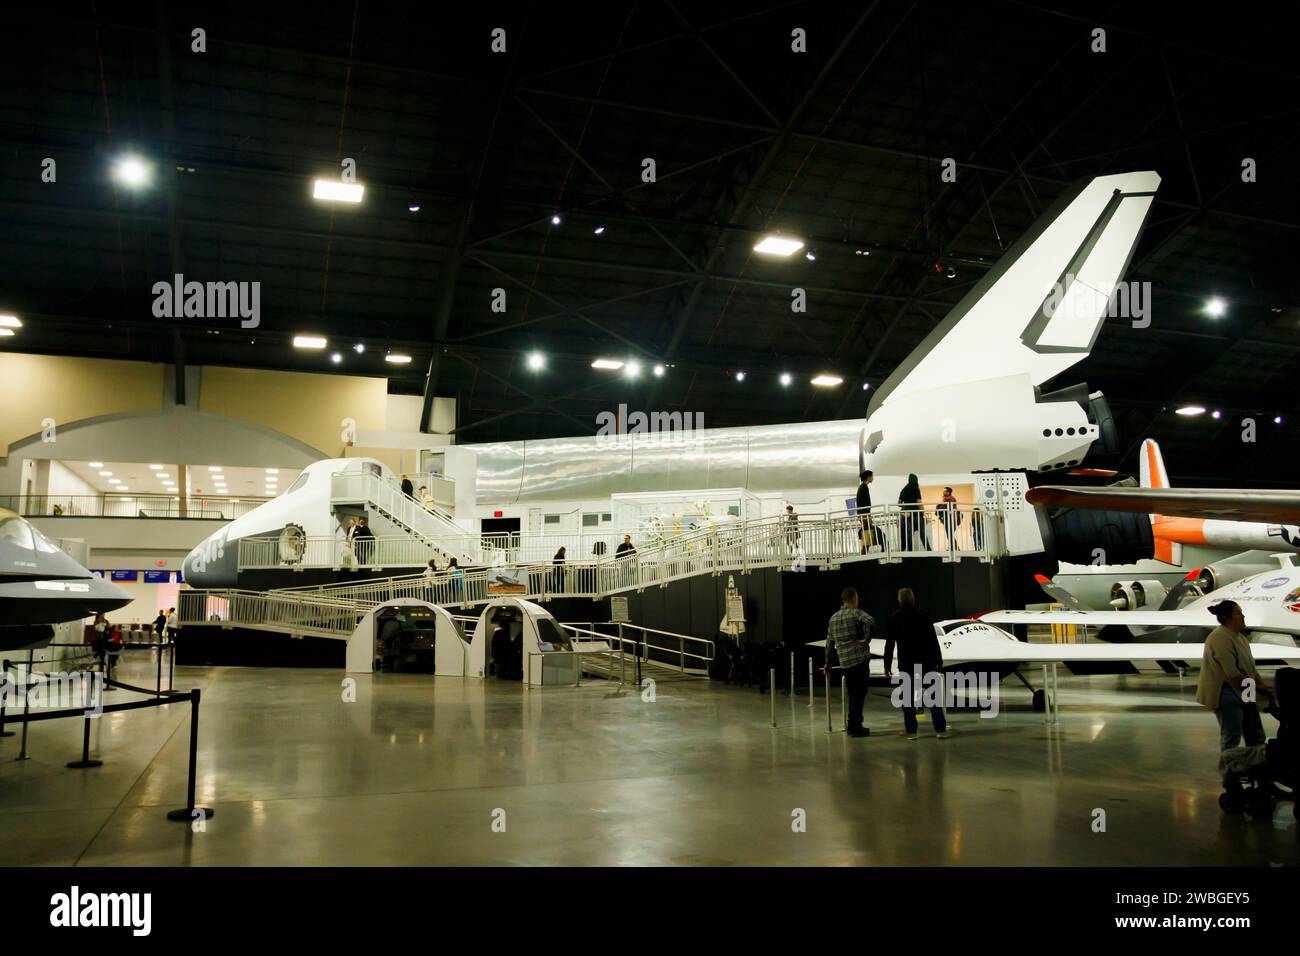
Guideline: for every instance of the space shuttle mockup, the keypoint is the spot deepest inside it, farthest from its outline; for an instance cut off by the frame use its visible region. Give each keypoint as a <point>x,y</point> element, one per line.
<point>968,399</point>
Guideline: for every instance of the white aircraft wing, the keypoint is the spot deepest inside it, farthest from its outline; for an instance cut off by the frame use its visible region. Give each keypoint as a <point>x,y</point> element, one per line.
<point>1183,617</point>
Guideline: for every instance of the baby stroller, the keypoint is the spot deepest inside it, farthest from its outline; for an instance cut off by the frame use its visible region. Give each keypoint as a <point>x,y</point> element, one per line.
<point>1253,777</point>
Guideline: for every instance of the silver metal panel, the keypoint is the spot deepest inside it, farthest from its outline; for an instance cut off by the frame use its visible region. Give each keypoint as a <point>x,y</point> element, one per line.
<point>761,459</point>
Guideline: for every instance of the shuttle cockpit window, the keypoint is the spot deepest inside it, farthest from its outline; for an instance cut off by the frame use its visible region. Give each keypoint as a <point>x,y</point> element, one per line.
<point>548,632</point>
<point>298,483</point>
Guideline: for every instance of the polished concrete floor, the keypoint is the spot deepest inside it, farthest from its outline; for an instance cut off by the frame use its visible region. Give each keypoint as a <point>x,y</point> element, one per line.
<point>423,770</point>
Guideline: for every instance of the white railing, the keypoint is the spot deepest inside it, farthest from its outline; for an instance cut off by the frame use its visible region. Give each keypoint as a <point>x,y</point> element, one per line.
<point>438,528</point>
<point>334,551</point>
<point>768,542</point>
<point>297,614</point>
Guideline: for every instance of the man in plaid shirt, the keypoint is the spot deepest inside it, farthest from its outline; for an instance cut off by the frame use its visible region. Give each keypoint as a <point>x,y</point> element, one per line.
<point>848,636</point>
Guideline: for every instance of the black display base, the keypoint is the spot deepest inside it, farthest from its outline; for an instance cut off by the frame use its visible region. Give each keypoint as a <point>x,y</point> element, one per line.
<point>187,813</point>
<point>82,764</point>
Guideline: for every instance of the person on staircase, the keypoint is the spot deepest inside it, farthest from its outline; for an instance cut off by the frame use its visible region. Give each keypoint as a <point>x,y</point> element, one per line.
<point>363,542</point>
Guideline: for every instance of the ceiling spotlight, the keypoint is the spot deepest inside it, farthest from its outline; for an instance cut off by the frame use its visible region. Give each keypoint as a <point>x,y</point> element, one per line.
<point>1277,420</point>
<point>1216,414</point>
<point>951,273</point>
<point>632,370</point>
<point>786,378</point>
<point>1216,308</point>
<point>273,471</point>
<point>414,207</point>
<point>309,342</point>
<point>740,376</point>
<point>106,474</point>
<point>156,467</point>
<point>95,464</point>
<point>555,220</point>
<point>827,381</point>
<point>6,332</point>
<point>810,256</point>
<point>214,468</point>
<point>1190,410</point>
<point>866,386</point>
<point>658,371</point>
<point>10,322</point>
<point>536,361</point>
<point>777,246</point>
<point>397,358</point>
<point>336,358</point>
<point>358,348</point>
<point>598,230</point>
<point>131,171</point>
<point>332,190</point>
<point>115,481</point>
<point>610,364</point>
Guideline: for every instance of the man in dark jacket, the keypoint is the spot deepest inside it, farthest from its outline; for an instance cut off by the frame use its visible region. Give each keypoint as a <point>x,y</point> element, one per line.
<point>863,511</point>
<point>919,662</point>
<point>408,489</point>
<point>363,542</point>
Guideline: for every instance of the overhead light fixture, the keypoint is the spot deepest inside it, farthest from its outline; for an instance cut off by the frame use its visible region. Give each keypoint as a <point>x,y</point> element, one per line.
<point>132,171</point>
<point>309,342</point>
<point>95,464</point>
<point>951,273</point>
<point>214,468</point>
<point>658,371</point>
<point>106,474</point>
<point>810,256</point>
<point>273,471</point>
<point>332,190</point>
<point>10,322</point>
<point>632,370</point>
<point>336,358</point>
<point>786,378</point>
<point>1216,308</point>
<point>866,386</point>
<point>1190,410</point>
<point>827,381</point>
<point>358,348</point>
<point>6,331</point>
<point>555,220</point>
<point>397,358</point>
<point>607,364</point>
<point>1216,414</point>
<point>536,361</point>
<point>598,230</point>
<point>115,481</point>
<point>413,207</point>
<point>1277,420</point>
<point>740,376</point>
<point>157,467</point>
<point>777,246</point>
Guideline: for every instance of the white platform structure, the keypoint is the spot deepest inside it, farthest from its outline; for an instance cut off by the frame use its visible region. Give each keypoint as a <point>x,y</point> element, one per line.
<point>451,650</point>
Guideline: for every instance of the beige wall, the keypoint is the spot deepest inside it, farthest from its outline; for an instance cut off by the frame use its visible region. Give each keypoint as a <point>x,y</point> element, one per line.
<point>305,406</point>
<point>37,387</point>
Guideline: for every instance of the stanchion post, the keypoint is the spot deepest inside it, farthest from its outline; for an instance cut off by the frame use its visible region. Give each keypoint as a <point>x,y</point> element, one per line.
<point>27,707</point>
<point>158,683</point>
<point>4,681</point>
<point>844,700</point>
<point>828,700</point>
<point>812,696</point>
<point>186,813</point>
<point>792,673</point>
<point>171,664</point>
<point>85,760</point>
<point>771,686</point>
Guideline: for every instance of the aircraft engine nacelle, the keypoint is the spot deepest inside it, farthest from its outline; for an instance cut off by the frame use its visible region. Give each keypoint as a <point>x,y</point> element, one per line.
<point>990,424</point>
<point>1131,595</point>
<point>1231,570</point>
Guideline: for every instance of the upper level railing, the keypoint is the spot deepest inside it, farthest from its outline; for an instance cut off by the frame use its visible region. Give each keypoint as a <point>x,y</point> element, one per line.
<point>129,506</point>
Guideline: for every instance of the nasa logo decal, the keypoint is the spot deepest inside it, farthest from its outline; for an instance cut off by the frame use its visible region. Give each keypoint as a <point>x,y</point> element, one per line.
<point>1292,601</point>
<point>1275,582</point>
